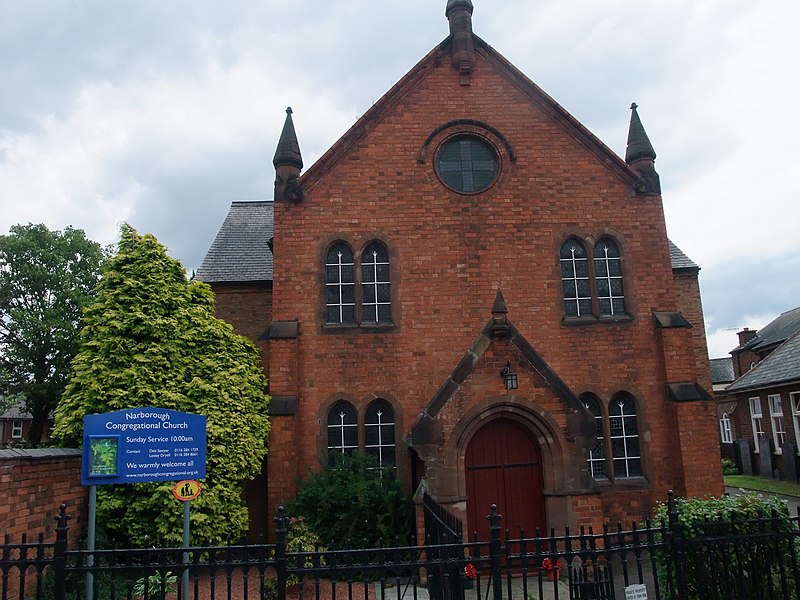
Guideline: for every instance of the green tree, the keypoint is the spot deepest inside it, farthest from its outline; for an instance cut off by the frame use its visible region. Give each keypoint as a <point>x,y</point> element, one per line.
<point>150,339</point>
<point>47,278</point>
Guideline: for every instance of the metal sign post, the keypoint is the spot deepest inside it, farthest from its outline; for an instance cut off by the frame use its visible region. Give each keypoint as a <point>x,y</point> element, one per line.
<point>138,445</point>
<point>186,491</point>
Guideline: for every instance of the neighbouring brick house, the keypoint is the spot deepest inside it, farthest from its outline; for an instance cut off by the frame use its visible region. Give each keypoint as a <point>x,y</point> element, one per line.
<point>473,288</point>
<point>721,377</point>
<point>15,425</point>
<point>763,404</point>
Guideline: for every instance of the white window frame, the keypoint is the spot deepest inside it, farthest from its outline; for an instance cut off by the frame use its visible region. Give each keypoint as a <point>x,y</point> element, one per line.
<point>16,429</point>
<point>572,280</point>
<point>756,416</point>
<point>725,429</point>
<point>776,422</point>
<point>610,296</point>
<point>794,401</point>
<point>384,448</point>
<point>623,434</point>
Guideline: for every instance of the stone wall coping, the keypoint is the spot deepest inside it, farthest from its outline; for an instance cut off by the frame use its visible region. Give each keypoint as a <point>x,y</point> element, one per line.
<point>38,453</point>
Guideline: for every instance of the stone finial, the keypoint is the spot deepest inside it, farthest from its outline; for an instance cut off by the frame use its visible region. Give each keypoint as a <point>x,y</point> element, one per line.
<point>288,151</point>
<point>639,146</point>
<point>288,162</point>
<point>500,327</point>
<point>459,14</point>
<point>641,156</point>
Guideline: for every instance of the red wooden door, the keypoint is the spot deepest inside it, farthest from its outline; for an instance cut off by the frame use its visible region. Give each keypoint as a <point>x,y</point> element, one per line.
<point>504,467</point>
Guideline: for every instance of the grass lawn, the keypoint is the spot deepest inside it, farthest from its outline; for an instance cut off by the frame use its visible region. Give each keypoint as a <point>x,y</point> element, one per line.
<point>762,484</point>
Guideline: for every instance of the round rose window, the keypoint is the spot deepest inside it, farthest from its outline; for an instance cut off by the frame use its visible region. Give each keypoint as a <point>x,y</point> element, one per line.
<point>466,164</point>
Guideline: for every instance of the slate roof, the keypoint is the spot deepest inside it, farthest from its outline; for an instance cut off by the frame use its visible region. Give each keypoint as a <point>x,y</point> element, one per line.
<point>16,411</point>
<point>774,332</point>
<point>679,260</point>
<point>240,252</point>
<point>780,367</point>
<point>722,370</point>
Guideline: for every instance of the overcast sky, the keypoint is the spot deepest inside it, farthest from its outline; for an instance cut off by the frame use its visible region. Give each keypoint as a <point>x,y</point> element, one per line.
<point>162,112</point>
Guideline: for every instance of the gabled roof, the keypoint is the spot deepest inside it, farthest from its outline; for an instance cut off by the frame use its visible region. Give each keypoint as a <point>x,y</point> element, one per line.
<point>681,262</point>
<point>774,332</point>
<point>722,370</point>
<point>779,368</point>
<point>240,252</point>
<point>409,81</point>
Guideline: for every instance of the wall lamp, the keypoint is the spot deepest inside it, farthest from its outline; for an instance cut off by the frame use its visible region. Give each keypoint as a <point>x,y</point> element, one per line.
<point>509,377</point>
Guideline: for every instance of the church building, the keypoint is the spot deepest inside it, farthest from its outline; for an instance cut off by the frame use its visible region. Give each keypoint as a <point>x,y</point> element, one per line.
<point>472,288</point>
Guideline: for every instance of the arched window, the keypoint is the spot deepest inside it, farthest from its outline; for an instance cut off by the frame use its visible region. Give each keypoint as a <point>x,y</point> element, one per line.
<point>342,431</point>
<point>341,286</point>
<point>608,275</point>
<point>375,294</point>
<point>575,279</point>
<point>597,455</point>
<point>725,429</point>
<point>379,433</point>
<point>624,430</point>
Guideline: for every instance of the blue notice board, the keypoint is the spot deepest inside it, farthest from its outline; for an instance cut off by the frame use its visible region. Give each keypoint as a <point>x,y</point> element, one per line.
<point>143,444</point>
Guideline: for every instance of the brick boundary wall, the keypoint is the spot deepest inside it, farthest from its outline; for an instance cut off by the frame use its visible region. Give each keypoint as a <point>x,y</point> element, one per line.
<point>33,483</point>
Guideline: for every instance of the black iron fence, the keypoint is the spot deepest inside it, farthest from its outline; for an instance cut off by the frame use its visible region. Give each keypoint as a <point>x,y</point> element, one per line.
<point>749,559</point>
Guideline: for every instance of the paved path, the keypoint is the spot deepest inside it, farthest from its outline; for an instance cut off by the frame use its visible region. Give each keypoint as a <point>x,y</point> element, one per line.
<point>792,501</point>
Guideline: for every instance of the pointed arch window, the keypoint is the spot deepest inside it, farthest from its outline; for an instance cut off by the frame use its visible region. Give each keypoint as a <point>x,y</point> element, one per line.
<point>575,279</point>
<point>342,431</point>
<point>624,435</point>
<point>597,455</point>
<point>376,300</point>
<point>608,277</point>
<point>379,433</point>
<point>340,285</point>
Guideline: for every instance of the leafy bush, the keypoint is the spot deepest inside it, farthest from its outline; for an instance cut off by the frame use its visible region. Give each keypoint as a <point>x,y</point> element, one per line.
<point>150,339</point>
<point>730,545</point>
<point>355,504</point>
<point>729,467</point>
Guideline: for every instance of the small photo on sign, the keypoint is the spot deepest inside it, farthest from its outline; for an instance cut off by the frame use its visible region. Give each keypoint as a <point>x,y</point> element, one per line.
<point>103,458</point>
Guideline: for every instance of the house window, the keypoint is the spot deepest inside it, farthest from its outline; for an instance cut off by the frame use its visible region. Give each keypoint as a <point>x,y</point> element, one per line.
<point>597,455</point>
<point>342,431</point>
<point>16,429</point>
<point>376,298</point>
<point>608,276</point>
<point>794,399</point>
<point>725,430</point>
<point>624,437</point>
<point>575,279</point>
<point>340,284</point>
<point>755,419</point>
<point>379,433</point>
<point>776,418</point>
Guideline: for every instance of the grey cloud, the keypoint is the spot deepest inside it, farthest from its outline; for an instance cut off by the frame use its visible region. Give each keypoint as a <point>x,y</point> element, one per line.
<point>756,284</point>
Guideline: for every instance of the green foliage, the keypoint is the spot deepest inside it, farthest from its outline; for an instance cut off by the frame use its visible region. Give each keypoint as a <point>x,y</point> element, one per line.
<point>729,467</point>
<point>47,278</point>
<point>150,339</point>
<point>155,585</point>
<point>300,538</point>
<point>351,504</point>
<point>719,535</point>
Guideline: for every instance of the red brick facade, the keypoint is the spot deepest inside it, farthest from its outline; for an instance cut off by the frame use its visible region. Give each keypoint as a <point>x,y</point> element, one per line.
<point>33,484</point>
<point>438,362</point>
